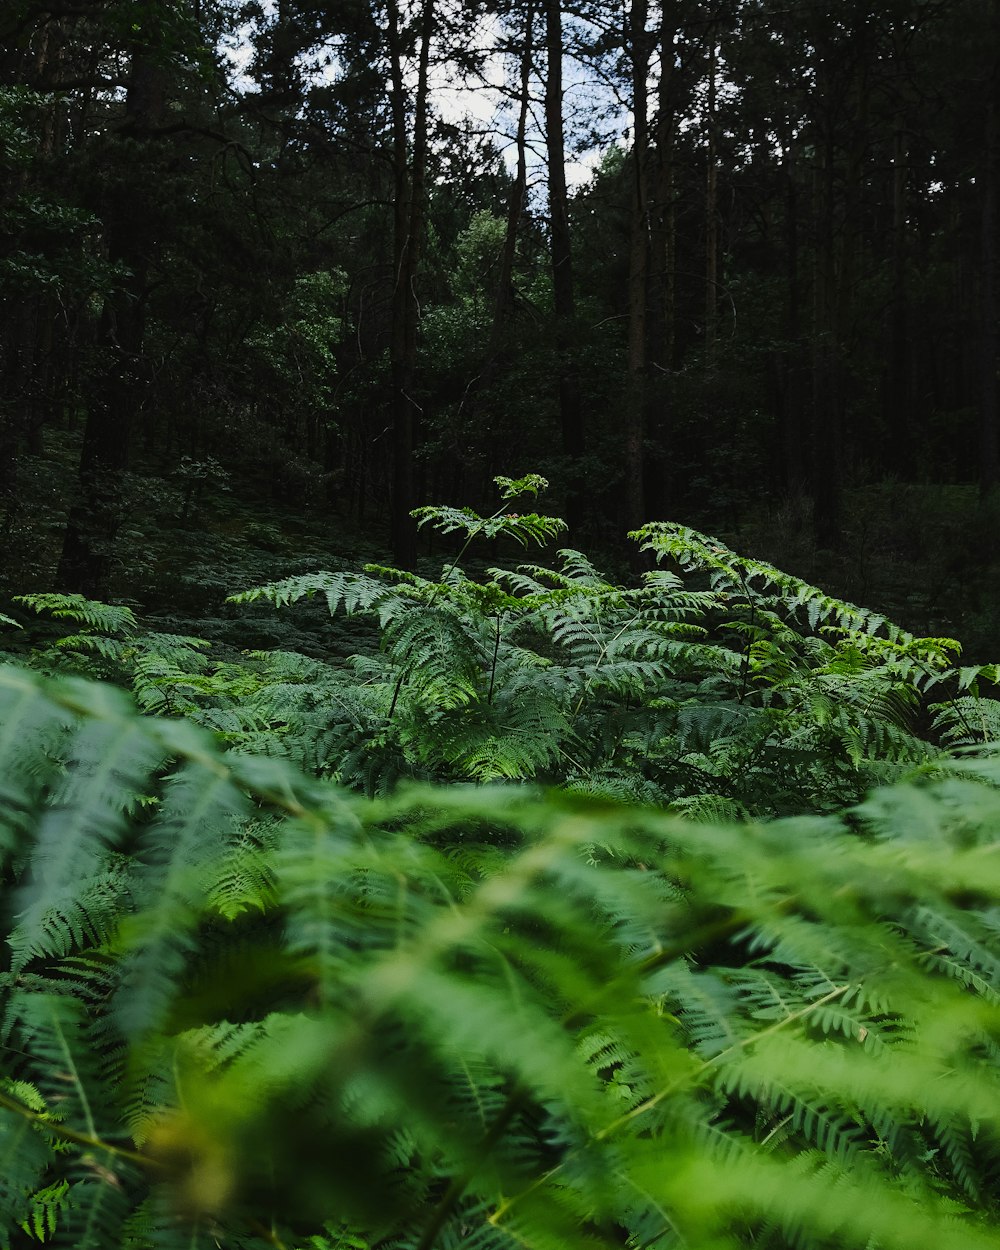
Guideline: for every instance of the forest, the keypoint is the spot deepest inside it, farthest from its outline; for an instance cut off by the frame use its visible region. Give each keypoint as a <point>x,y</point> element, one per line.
<point>400,855</point>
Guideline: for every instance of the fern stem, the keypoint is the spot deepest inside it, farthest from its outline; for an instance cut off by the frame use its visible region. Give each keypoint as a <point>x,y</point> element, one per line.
<point>597,665</point>
<point>777,1129</point>
<point>648,1104</point>
<point>441,584</point>
<point>655,1099</point>
<point>458,1184</point>
<point>496,652</point>
<point>71,1066</point>
<point>93,1142</point>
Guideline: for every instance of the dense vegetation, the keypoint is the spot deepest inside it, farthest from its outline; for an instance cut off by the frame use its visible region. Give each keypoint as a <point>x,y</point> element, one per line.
<point>731,261</point>
<point>259,993</point>
<point>371,879</point>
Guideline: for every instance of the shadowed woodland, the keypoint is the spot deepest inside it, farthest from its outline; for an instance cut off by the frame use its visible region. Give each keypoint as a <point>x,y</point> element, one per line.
<point>315,290</point>
<point>399,855</point>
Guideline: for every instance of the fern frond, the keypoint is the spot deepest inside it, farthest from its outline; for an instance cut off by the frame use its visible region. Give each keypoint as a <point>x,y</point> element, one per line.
<point>179,853</point>
<point>106,617</point>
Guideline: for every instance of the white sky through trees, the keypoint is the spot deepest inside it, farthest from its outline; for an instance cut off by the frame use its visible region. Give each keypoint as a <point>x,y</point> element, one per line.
<point>482,103</point>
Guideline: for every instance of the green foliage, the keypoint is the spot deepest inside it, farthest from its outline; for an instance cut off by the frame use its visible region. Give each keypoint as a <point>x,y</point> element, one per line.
<point>161,669</point>
<point>742,690</point>
<point>481,1016</point>
<point>298,357</point>
<point>44,237</point>
<point>732,690</point>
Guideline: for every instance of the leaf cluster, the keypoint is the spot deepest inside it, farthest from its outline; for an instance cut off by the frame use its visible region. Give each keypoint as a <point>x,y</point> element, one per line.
<point>246,1008</point>
<point>719,686</point>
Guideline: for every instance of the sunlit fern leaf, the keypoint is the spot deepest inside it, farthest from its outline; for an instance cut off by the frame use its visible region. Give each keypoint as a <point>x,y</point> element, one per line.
<point>704,1004</point>
<point>110,761</point>
<point>45,1208</point>
<point>106,617</point>
<point>83,913</point>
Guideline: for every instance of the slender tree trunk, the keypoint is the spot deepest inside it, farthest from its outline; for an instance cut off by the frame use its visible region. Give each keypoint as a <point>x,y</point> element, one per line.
<point>990,299</point>
<point>899,398</point>
<point>96,514</point>
<point>570,410</point>
<point>711,210</point>
<point>504,303</point>
<point>410,194</point>
<point>638,276</point>
<point>662,219</point>
<point>825,447</point>
<point>791,397</point>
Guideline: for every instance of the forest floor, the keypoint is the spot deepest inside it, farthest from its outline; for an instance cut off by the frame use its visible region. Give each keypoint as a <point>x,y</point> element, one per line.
<point>925,555</point>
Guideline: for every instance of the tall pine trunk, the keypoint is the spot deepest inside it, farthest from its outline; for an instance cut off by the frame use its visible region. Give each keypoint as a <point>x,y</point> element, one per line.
<point>410,194</point>
<point>662,278</point>
<point>898,405</point>
<point>825,450</point>
<point>504,302</point>
<point>990,298</point>
<point>567,382</point>
<point>711,208</point>
<point>790,366</point>
<point>95,516</point>
<point>638,275</point>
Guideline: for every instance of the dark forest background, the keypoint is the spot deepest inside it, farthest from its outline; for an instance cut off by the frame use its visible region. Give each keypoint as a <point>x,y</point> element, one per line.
<point>263,291</point>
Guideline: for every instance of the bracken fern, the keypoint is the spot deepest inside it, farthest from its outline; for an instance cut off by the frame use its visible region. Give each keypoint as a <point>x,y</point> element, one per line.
<point>483,1016</point>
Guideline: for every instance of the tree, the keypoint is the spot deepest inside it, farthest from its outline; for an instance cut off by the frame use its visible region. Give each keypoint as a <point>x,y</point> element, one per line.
<point>563,294</point>
<point>410,192</point>
<point>638,273</point>
<point>132,225</point>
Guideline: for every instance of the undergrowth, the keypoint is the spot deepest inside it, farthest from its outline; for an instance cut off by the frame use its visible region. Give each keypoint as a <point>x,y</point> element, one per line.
<point>289,960</point>
<point>719,686</point>
<point>244,1008</point>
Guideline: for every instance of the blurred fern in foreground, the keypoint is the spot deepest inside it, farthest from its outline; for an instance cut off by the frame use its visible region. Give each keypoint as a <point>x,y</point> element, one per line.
<point>243,1008</point>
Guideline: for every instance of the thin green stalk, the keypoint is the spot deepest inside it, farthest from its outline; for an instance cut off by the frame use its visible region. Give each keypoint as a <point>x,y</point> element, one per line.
<point>476,529</point>
<point>64,1133</point>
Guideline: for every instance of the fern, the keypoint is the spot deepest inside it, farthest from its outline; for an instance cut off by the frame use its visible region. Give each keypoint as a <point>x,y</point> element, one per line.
<point>476,1016</point>
<point>245,1006</point>
<point>757,694</point>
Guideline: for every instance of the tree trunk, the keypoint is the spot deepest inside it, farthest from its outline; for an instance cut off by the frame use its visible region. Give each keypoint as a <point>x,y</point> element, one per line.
<point>568,389</point>
<point>408,225</point>
<point>825,447</point>
<point>96,514</point>
<point>790,399</point>
<point>662,219</point>
<point>711,210</point>
<point>638,276</point>
<point>899,399</point>
<point>504,302</point>
<point>990,304</point>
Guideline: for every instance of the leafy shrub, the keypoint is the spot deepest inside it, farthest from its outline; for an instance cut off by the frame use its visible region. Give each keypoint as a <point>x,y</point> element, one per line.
<point>244,1008</point>
<point>733,690</point>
